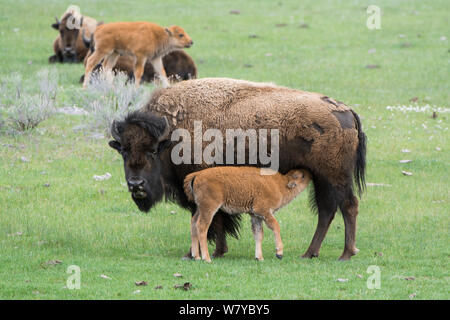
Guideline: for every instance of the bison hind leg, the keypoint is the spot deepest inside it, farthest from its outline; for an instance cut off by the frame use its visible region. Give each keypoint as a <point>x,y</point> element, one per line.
<point>349,209</point>
<point>324,199</point>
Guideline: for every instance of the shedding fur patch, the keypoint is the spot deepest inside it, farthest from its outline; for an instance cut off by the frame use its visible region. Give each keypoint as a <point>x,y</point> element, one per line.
<point>345,119</point>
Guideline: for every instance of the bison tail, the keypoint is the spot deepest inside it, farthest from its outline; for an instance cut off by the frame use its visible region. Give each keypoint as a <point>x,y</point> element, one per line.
<point>189,186</point>
<point>360,166</point>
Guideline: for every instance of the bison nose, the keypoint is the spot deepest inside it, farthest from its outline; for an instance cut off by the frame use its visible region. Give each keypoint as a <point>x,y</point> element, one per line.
<point>135,183</point>
<point>192,42</point>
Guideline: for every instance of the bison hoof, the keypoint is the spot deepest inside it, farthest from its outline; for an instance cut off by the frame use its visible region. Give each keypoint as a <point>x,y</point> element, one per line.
<point>309,255</point>
<point>348,254</point>
<point>219,253</point>
<point>279,256</point>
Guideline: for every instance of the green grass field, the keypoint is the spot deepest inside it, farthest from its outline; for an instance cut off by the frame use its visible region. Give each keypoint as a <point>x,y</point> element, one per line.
<point>51,208</point>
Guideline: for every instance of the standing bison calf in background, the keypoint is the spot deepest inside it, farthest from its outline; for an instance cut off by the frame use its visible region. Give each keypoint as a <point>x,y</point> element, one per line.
<point>142,40</point>
<point>238,190</point>
<point>316,133</point>
<point>177,64</point>
<point>69,46</point>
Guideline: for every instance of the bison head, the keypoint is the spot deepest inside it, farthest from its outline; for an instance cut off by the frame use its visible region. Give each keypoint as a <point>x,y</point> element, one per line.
<point>178,37</point>
<point>140,139</point>
<point>69,29</point>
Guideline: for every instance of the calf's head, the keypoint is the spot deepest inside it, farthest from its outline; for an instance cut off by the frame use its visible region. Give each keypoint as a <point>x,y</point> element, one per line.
<point>69,29</point>
<point>298,179</point>
<point>140,139</point>
<point>178,37</point>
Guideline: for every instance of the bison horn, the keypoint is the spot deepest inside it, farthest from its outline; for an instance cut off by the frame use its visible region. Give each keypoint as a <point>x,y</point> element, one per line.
<point>57,20</point>
<point>115,131</point>
<point>86,41</point>
<point>166,132</point>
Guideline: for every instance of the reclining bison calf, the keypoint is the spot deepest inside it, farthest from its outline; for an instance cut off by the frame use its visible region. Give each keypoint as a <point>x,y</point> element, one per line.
<point>315,133</point>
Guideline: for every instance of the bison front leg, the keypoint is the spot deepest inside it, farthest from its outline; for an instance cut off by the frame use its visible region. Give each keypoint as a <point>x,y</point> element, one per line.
<point>139,70</point>
<point>258,234</point>
<point>220,239</point>
<point>159,69</point>
<point>93,60</point>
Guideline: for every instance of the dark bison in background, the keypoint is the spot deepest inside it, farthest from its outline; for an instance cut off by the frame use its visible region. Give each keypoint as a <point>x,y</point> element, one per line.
<point>177,64</point>
<point>316,133</point>
<point>68,45</point>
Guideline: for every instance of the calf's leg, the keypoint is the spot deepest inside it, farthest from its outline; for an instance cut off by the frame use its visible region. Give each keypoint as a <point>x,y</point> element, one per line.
<point>91,63</point>
<point>111,61</point>
<point>194,238</point>
<point>139,70</point>
<point>205,215</point>
<point>258,234</point>
<point>159,69</point>
<point>273,225</point>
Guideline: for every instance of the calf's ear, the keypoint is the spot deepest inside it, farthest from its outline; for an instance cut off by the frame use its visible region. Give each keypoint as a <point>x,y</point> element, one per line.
<point>168,31</point>
<point>115,145</point>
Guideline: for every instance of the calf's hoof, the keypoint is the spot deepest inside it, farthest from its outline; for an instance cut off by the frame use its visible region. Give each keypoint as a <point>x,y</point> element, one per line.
<point>259,259</point>
<point>279,256</point>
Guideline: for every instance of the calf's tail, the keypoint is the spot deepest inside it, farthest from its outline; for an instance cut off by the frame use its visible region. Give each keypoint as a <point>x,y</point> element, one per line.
<point>189,186</point>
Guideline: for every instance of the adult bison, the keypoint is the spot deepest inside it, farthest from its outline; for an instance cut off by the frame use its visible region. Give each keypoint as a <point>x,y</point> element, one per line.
<point>68,45</point>
<point>315,132</point>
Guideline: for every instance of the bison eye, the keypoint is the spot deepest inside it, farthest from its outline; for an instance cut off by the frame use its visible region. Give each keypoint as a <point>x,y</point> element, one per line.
<point>181,35</point>
<point>151,154</point>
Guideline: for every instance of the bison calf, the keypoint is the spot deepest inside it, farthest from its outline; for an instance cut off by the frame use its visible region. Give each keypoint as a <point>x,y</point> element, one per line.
<point>142,40</point>
<point>237,190</point>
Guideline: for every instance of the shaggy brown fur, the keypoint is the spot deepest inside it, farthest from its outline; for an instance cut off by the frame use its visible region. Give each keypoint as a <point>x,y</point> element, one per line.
<point>68,45</point>
<point>238,190</point>
<point>312,137</point>
<point>142,40</point>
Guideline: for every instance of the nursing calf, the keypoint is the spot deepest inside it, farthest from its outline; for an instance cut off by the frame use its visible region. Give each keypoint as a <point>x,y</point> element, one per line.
<point>238,190</point>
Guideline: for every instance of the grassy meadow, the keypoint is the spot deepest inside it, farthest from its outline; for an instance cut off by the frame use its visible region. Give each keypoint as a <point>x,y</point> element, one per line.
<point>53,214</point>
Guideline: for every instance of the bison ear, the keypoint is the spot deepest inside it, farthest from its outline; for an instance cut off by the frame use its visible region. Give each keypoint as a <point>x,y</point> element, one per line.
<point>168,31</point>
<point>165,134</point>
<point>164,145</point>
<point>115,145</point>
